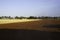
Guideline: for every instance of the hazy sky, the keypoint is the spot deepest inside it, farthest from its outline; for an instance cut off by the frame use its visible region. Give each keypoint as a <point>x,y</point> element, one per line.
<point>29,7</point>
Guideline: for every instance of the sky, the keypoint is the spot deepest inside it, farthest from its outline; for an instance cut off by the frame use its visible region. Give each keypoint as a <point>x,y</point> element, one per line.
<point>29,7</point>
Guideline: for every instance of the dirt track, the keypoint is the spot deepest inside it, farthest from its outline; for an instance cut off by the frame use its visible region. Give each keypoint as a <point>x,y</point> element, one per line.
<point>32,25</point>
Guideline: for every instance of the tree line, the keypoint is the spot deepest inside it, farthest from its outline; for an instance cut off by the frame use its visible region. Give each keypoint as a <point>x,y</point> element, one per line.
<point>30,17</point>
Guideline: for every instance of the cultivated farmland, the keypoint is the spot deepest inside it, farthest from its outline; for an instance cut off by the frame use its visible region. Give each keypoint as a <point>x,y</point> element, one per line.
<point>30,24</point>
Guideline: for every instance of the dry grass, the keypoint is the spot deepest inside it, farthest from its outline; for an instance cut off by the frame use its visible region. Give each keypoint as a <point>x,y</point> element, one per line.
<point>32,25</point>
<point>6,21</point>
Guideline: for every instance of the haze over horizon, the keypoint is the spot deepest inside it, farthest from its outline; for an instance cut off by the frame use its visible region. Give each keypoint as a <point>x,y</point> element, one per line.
<point>29,7</point>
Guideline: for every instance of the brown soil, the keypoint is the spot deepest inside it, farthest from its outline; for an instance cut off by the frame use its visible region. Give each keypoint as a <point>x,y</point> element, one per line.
<point>32,25</point>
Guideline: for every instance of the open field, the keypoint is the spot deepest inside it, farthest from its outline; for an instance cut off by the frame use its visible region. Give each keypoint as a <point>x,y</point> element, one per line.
<point>5,21</point>
<point>31,25</point>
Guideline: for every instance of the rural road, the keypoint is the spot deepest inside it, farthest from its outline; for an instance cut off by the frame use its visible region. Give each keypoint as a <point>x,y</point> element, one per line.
<point>10,34</point>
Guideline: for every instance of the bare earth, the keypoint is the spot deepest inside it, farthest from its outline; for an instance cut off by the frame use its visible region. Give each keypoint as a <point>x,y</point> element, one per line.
<point>32,25</point>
